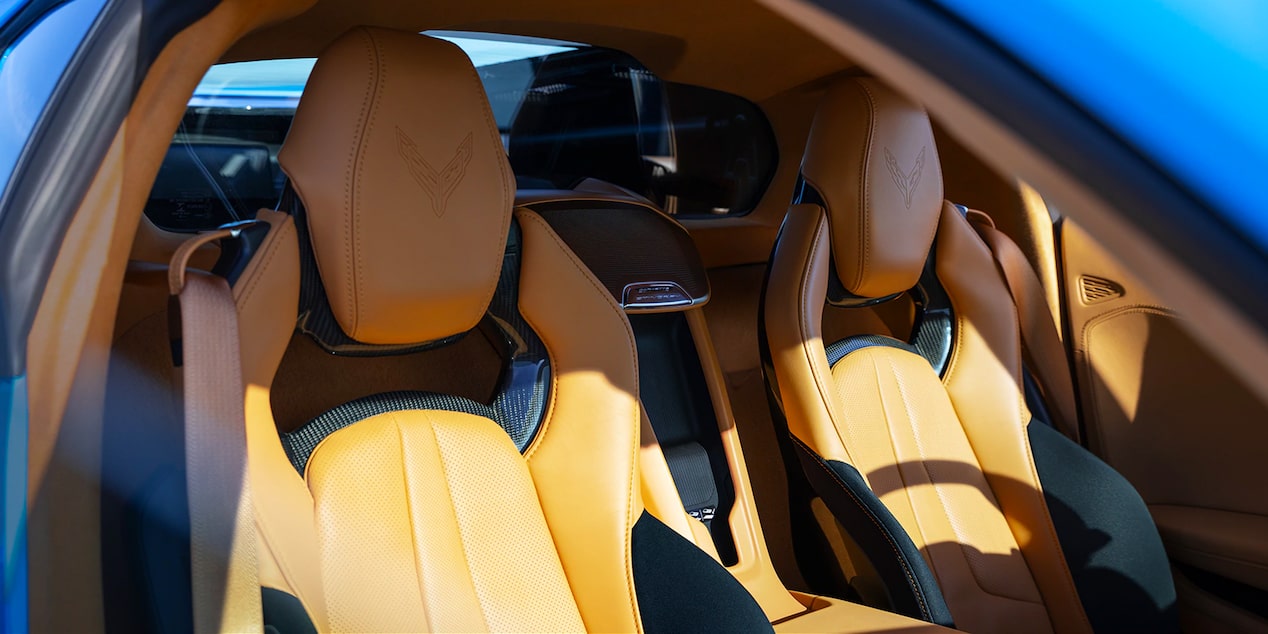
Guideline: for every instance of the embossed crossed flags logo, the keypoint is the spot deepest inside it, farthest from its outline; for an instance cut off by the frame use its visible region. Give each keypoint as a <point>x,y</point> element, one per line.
<point>438,184</point>
<point>905,180</point>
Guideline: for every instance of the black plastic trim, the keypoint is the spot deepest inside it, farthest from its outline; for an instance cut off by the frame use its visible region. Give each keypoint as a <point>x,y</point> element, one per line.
<point>1140,191</point>
<point>236,254</point>
<point>284,614</point>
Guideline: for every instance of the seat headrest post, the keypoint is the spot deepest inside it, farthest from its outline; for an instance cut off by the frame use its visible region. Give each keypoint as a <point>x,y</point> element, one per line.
<point>399,164</point>
<point>872,160</point>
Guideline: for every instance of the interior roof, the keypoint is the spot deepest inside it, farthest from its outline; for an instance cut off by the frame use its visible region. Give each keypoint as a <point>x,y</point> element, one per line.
<point>738,47</point>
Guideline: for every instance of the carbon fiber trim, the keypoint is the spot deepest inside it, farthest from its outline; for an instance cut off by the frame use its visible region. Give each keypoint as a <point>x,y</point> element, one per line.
<point>299,444</point>
<point>316,319</point>
<point>519,403</point>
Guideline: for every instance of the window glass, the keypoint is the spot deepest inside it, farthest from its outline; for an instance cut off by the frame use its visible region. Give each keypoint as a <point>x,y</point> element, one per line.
<point>566,112</point>
<point>30,69</point>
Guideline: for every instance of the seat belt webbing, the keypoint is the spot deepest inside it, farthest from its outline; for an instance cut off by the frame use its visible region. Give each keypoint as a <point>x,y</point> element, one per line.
<point>225,581</point>
<point>1044,353</point>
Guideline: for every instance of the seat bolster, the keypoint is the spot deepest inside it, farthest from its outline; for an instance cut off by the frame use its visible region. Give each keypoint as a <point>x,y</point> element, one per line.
<point>795,290</point>
<point>983,379</point>
<point>1115,553</point>
<point>584,458</point>
<point>267,297</point>
<point>896,558</point>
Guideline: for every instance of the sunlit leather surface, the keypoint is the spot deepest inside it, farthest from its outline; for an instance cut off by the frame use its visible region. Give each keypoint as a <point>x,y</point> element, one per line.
<point>950,459</point>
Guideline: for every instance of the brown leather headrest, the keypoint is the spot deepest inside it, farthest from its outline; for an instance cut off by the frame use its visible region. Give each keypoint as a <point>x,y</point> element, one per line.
<point>872,158</point>
<point>396,157</point>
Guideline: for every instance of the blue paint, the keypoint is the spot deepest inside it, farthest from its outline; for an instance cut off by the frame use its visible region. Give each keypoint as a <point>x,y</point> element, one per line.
<point>13,557</point>
<point>8,8</point>
<point>1184,81</point>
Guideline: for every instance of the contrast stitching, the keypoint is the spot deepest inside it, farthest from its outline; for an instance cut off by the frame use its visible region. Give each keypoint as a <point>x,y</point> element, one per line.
<point>902,560</point>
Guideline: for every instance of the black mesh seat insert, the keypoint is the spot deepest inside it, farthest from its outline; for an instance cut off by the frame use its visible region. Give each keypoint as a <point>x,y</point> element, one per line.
<point>518,405</point>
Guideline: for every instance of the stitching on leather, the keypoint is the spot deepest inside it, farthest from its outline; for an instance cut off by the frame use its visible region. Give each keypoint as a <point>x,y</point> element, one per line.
<point>530,216</point>
<point>957,343</point>
<point>952,366</point>
<point>606,296</point>
<point>942,500</point>
<point>1056,543</point>
<point>893,449</point>
<point>266,533</point>
<point>893,445</point>
<point>898,554</point>
<point>508,200</point>
<point>827,212</point>
<point>352,185</point>
<point>803,315</point>
<point>864,187</point>
<point>444,471</point>
<point>409,505</point>
<point>273,245</point>
<point>379,88</point>
<point>1085,335</point>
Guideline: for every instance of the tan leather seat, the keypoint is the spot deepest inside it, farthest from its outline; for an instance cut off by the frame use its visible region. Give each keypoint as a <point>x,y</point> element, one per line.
<point>925,450</point>
<point>419,511</point>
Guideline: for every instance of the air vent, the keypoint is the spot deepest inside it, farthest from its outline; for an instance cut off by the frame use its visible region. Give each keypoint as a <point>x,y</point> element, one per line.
<point>1098,289</point>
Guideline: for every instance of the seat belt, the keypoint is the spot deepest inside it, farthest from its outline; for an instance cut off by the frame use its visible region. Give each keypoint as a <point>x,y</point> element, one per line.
<point>1044,353</point>
<point>203,325</point>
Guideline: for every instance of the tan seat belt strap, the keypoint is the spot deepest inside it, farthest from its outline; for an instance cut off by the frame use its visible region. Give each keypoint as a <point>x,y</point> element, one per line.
<point>1041,344</point>
<point>225,582</point>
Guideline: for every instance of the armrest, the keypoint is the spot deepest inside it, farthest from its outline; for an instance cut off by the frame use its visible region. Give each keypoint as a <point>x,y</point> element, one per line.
<point>1225,543</point>
<point>842,617</point>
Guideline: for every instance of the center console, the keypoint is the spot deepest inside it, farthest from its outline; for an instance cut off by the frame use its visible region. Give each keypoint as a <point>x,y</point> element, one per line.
<point>694,478</point>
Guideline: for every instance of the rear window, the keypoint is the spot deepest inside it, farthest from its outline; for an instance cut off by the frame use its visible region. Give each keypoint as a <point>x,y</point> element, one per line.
<point>566,112</point>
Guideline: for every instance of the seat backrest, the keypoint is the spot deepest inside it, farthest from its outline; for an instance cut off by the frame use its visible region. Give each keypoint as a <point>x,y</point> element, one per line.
<point>409,514</point>
<point>920,448</point>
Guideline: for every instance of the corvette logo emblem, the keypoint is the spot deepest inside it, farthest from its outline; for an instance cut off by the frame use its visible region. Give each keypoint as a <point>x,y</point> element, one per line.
<point>438,184</point>
<point>906,181</point>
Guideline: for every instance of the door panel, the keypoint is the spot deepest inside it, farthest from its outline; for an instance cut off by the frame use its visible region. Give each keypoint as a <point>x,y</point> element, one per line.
<point>1183,428</point>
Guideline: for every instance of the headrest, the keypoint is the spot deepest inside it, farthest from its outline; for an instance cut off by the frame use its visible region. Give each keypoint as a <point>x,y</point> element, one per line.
<point>397,160</point>
<point>872,159</point>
